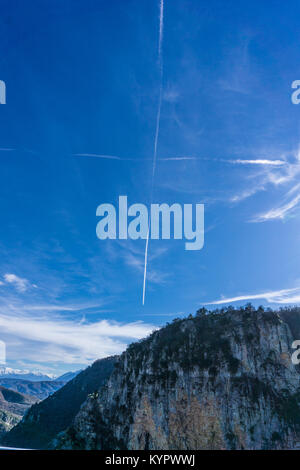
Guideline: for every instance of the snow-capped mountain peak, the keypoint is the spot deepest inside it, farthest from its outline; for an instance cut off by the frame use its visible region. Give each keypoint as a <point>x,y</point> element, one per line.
<point>24,374</point>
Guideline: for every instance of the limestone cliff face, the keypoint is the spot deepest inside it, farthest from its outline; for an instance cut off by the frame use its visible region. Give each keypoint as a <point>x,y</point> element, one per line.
<point>13,405</point>
<point>220,381</point>
<point>8,421</point>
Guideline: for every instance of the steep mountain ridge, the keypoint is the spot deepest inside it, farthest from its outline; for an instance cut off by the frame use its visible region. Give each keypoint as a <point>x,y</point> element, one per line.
<point>218,381</point>
<point>67,376</point>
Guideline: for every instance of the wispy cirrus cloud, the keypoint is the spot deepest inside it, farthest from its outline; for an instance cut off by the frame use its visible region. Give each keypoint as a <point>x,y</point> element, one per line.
<point>272,172</point>
<point>283,178</point>
<point>79,307</point>
<point>279,175</point>
<point>21,284</point>
<point>283,296</point>
<point>244,194</point>
<point>278,212</point>
<point>49,337</point>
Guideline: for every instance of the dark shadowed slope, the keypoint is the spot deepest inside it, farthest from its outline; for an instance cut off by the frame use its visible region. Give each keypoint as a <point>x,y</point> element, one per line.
<point>49,417</point>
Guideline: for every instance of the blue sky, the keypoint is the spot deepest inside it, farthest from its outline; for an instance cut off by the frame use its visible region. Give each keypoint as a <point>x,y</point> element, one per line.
<point>83,81</point>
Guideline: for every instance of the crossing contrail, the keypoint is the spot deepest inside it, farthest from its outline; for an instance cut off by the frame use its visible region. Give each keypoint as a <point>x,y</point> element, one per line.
<point>125,159</point>
<point>160,64</point>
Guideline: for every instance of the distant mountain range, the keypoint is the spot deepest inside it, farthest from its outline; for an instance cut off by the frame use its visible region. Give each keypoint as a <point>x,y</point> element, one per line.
<point>39,390</point>
<point>34,376</point>
<point>33,383</point>
<point>7,372</point>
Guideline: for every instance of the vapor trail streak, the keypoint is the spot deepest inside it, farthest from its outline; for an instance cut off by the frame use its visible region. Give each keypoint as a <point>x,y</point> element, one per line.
<point>145,267</point>
<point>160,63</point>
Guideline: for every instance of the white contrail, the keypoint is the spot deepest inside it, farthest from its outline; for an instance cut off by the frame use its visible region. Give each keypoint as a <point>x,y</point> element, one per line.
<point>258,162</point>
<point>145,266</point>
<point>277,297</point>
<point>95,155</point>
<point>169,159</point>
<point>161,30</point>
<point>138,160</point>
<point>178,158</point>
<point>160,63</point>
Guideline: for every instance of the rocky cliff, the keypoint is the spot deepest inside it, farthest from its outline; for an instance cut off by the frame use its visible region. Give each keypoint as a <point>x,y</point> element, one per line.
<point>13,405</point>
<point>219,381</point>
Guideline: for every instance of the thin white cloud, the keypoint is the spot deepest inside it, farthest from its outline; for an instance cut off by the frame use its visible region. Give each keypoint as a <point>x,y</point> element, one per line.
<point>286,174</point>
<point>258,162</point>
<point>246,193</point>
<point>238,161</point>
<point>21,284</point>
<point>279,212</point>
<point>284,296</point>
<point>62,308</point>
<point>279,173</point>
<point>294,189</point>
<point>55,339</point>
